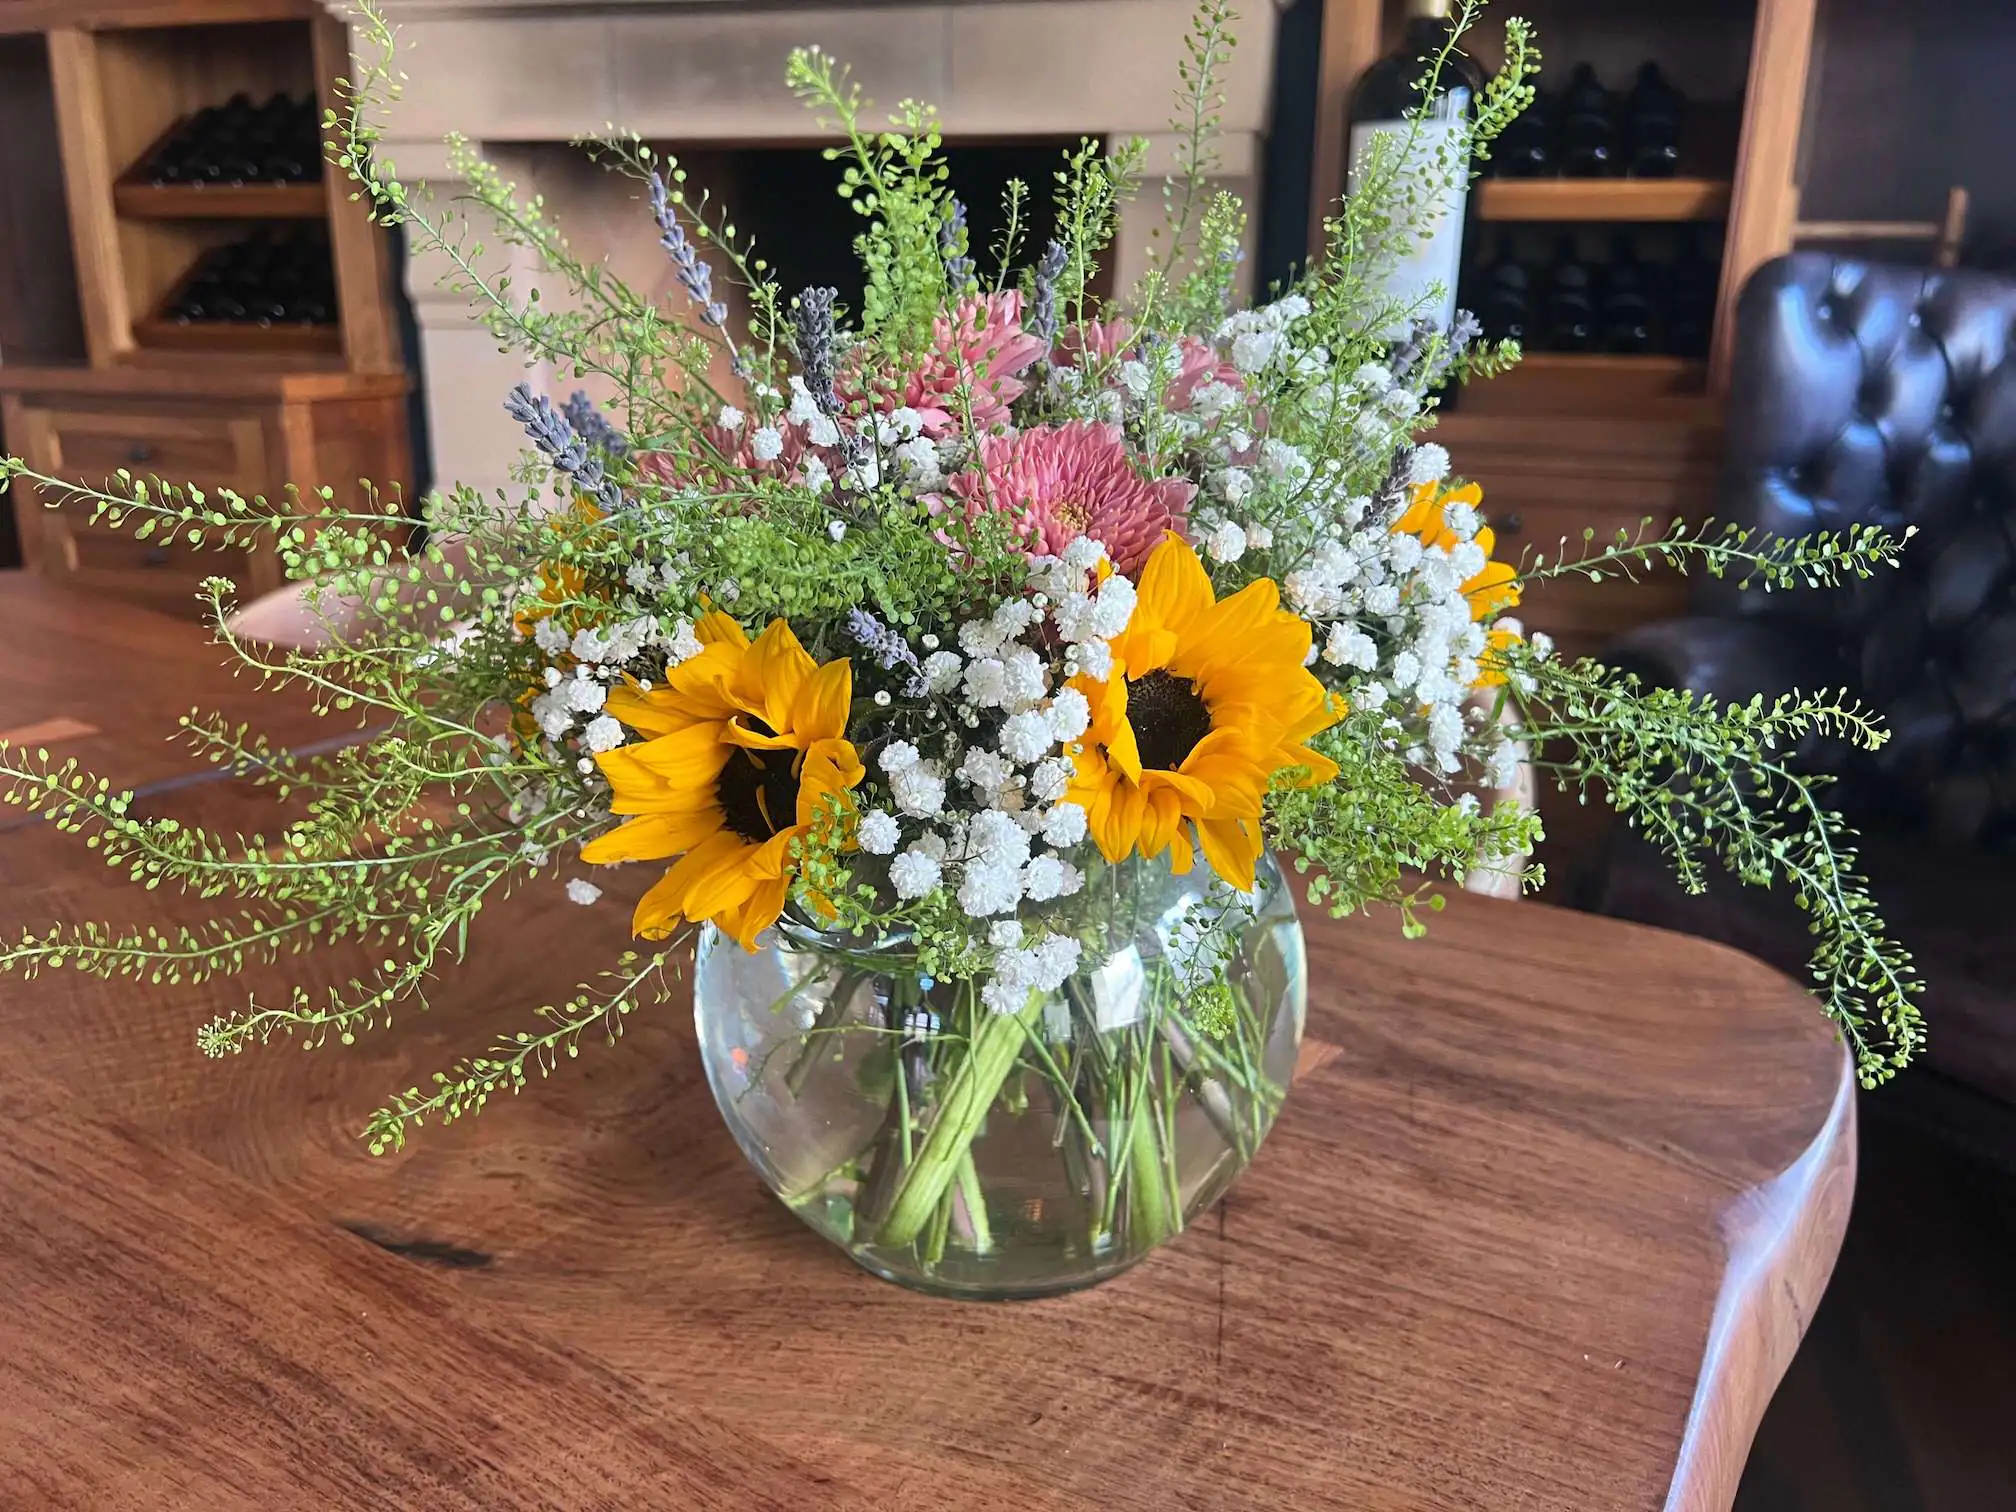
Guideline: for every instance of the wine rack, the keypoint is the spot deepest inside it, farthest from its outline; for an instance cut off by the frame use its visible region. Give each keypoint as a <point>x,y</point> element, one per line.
<point>229,290</point>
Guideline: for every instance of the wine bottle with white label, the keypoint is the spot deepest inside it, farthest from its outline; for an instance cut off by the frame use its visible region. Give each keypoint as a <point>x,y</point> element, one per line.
<point>1432,131</point>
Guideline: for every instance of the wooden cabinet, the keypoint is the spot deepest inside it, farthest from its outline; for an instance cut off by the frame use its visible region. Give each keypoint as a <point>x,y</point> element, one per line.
<point>121,386</point>
<point>258,433</point>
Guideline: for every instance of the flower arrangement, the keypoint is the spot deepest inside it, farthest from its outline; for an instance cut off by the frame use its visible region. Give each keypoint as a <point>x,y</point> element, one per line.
<point>952,675</point>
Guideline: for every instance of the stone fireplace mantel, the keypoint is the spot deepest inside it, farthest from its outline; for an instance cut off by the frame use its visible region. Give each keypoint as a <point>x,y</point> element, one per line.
<point>512,75</point>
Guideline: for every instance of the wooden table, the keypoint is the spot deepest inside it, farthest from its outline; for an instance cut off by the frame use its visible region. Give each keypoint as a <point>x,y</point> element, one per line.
<point>1540,1228</point>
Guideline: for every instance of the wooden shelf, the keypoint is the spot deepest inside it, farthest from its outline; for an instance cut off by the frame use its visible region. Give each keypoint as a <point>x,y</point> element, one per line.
<point>236,336</point>
<point>143,201</point>
<point>1566,199</point>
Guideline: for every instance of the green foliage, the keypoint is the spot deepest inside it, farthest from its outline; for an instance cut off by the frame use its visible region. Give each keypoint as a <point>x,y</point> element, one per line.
<point>464,1091</point>
<point>1703,779</point>
<point>896,178</point>
<point>1091,187</point>
<point>1370,835</point>
<point>1722,549</point>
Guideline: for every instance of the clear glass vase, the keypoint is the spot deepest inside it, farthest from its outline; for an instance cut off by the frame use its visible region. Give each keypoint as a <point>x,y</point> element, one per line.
<point>991,1155</point>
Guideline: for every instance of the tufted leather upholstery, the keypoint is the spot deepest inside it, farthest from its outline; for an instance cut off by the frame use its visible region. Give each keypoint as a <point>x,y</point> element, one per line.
<point>1887,396</point>
<point>1865,394</point>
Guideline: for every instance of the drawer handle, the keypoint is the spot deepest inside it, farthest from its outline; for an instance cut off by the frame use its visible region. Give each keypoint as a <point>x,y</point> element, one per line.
<point>139,451</point>
<point>154,556</point>
<point>1509,523</point>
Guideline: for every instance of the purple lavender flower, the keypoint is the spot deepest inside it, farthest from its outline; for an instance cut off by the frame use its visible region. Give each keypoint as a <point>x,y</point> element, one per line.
<point>813,321</point>
<point>1409,354</point>
<point>555,438</point>
<point>592,426</point>
<point>888,648</point>
<point>1043,304</point>
<point>694,274</point>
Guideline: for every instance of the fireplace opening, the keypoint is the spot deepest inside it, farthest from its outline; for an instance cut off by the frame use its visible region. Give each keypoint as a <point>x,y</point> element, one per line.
<point>788,199</point>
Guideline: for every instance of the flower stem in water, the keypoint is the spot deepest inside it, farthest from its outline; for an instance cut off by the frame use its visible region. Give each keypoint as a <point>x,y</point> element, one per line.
<point>969,1089</point>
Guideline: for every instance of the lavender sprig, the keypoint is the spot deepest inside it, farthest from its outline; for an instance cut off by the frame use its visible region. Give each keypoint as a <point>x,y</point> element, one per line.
<point>813,321</point>
<point>888,648</point>
<point>694,273</point>
<point>951,238</point>
<point>1413,351</point>
<point>1043,304</point>
<point>593,426</point>
<point>555,438</point>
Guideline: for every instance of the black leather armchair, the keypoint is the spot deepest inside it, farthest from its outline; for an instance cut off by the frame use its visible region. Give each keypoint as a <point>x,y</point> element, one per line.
<point>1864,393</point>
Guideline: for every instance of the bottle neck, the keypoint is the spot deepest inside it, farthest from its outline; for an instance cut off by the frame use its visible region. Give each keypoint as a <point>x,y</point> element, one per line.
<point>1429,10</point>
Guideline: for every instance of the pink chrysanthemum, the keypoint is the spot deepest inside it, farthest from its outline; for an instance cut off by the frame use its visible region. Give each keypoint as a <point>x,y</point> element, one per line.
<point>1067,481</point>
<point>977,360</point>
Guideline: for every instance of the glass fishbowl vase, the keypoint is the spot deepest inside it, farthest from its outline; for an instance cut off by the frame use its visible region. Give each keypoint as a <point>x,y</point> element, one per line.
<point>990,1151</point>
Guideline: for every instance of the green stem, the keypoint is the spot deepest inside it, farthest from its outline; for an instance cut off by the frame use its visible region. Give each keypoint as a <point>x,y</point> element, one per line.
<point>976,1204</point>
<point>969,1091</point>
<point>1152,1211</point>
<point>830,1013</point>
<point>934,1236</point>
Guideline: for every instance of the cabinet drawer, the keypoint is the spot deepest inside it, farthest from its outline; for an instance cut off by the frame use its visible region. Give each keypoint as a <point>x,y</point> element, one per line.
<point>209,451</point>
<point>166,576</point>
<point>91,443</point>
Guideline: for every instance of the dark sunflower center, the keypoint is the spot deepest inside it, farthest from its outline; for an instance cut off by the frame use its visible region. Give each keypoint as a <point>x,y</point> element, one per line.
<point>758,792</point>
<point>1168,718</point>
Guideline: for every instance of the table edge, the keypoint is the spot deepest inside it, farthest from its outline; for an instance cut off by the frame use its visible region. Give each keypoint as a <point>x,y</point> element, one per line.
<point>1782,1237</point>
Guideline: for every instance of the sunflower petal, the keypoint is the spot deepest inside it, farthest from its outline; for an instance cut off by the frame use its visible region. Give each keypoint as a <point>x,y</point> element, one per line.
<point>718,628</point>
<point>657,912</point>
<point>716,877</point>
<point>772,671</point>
<point>651,837</point>
<point>820,711</point>
<point>830,766</point>
<point>688,758</point>
<point>755,913</point>
<point>1174,588</point>
<point>1231,849</point>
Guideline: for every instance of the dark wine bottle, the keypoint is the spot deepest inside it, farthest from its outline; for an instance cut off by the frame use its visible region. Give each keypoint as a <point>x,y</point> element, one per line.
<point>1430,136</point>
<point>1570,317</point>
<point>1652,125</point>
<point>1690,301</point>
<point>1505,298</point>
<point>1525,149</point>
<point>1627,301</point>
<point>1588,126</point>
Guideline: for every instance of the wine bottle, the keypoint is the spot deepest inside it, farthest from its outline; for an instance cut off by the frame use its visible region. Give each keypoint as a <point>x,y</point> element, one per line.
<point>1652,125</point>
<point>1690,301</point>
<point>1588,126</point>
<point>1430,136</point>
<point>1525,149</point>
<point>1505,298</point>
<point>1627,301</point>
<point>1571,302</point>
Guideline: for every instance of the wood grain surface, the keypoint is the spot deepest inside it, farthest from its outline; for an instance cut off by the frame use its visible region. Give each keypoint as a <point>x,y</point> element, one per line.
<point>1539,1228</point>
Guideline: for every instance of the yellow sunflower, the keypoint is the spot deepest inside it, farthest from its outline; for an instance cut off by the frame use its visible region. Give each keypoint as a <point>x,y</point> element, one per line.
<point>1207,701</point>
<point>1494,588</point>
<point>744,742</point>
